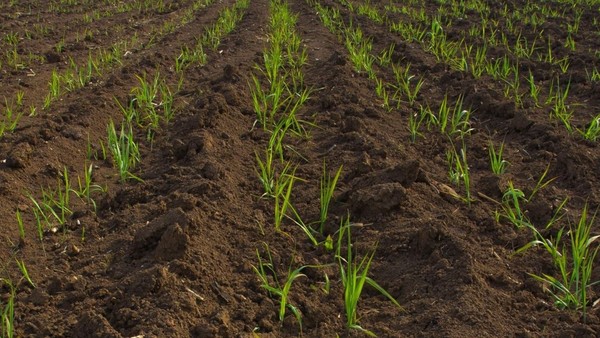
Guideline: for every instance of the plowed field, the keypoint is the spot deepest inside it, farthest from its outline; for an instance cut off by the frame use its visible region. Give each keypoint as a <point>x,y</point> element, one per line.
<point>221,216</point>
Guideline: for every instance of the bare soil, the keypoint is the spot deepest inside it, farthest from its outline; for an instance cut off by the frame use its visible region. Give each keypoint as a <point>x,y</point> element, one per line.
<point>173,256</point>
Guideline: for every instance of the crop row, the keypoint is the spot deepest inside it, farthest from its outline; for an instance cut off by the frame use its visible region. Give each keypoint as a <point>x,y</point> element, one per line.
<point>453,121</point>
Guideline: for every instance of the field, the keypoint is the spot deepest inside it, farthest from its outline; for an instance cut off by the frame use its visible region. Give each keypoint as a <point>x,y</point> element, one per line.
<point>272,168</point>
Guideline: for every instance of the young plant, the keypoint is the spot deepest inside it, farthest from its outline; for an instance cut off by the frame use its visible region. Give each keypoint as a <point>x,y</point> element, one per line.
<point>86,188</point>
<point>327,188</point>
<point>266,268</point>
<point>24,272</point>
<point>7,313</point>
<point>458,169</point>
<point>560,109</point>
<point>592,131</point>
<point>511,205</point>
<point>124,151</point>
<point>354,274</point>
<point>534,90</point>
<point>266,172</point>
<point>414,123</point>
<point>20,225</point>
<point>403,84</point>
<point>575,265</point>
<point>497,163</point>
<point>283,192</point>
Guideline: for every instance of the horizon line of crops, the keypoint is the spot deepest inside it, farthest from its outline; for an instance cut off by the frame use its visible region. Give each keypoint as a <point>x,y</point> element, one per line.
<point>12,37</point>
<point>76,76</point>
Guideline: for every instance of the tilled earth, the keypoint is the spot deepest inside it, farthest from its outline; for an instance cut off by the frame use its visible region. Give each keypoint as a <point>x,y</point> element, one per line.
<point>173,256</point>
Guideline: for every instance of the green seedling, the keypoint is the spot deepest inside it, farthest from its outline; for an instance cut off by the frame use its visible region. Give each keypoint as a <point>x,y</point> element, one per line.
<point>275,289</point>
<point>403,84</point>
<point>20,225</point>
<point>10,119</point>
<point>560,109</point>
<point>24,272</point>
<point>86,188</point>
<point>360,48</point>
<point>511,205</point>
<point>497,163</point>
<point>385,57</point>
<point>124,151</point>
<point>327,187</point>
<point>283,192</point>
<point>458,169</point>
<point>414,123</point>
<point>575,265</point>
<point>456,116</point>
<point>20,94</point>
<point>266,172</point>
<point>53,209</point>
<point>592,131</point>
<point>354,274</point>
<point>513,200</point>
<point>563,64</point>
<point>7,320</point>
<point>534,90</point>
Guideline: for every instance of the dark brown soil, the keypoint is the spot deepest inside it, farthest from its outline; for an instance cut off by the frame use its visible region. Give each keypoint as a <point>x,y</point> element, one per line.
<point>173,256</point>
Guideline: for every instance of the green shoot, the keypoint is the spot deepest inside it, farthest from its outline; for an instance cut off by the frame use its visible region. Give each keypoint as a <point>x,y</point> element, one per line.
<point>592,131</point>
<point>7,314</point>
<point>23,269</point>
<point>124,151</point>
<point>86,188</point>
<point>497,163</point>
<point>458,169</point>
<point>20,225</point>
<point>276,289</point>
<point>569,290</point>
<point>327,188</point>
<point>283,191</point>
<point>354,276</point>
<point>266,172</point>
